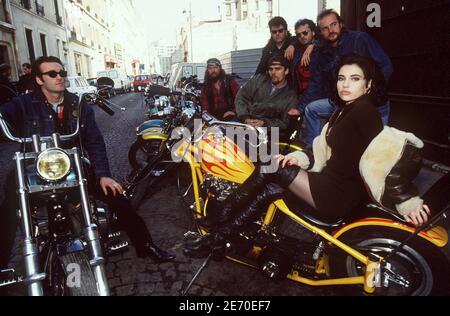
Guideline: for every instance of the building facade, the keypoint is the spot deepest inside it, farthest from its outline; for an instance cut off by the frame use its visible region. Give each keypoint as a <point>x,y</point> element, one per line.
<point>39,29</point>
<point>128,37</point>
<point>88,29</point>
<point>8,50</point>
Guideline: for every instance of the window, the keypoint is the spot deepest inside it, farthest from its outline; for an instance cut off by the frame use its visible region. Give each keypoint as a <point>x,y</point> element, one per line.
<point>58,17</point>
<point>30,44</point>
<point>43,45</point>
<point>78,64</point>
<point>113,74</point>
<point>40,8</point>
<point>228,9</point>
<point>58,48</point>
<point>4,55</point>
<point>26,4</point>
<point>188,71</point>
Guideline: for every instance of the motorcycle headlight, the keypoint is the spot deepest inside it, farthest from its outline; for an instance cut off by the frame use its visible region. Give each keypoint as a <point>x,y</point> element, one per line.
<point>53,165</point>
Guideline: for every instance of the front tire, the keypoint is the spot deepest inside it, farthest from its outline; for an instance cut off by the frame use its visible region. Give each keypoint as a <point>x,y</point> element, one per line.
<point>417,267</point>
<point>72,275</point>
<point>141,152</point>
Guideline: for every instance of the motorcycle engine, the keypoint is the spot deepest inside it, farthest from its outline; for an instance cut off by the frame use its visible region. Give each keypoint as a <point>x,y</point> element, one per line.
<point>218,189</point>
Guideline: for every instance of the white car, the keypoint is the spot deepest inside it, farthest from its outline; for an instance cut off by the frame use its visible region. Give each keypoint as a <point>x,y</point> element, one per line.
<point>79,85</point>
<point>122,83</point>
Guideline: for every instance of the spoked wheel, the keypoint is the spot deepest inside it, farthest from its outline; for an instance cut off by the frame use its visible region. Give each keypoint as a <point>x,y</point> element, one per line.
<point>141,152</point>
<point>413,269</point>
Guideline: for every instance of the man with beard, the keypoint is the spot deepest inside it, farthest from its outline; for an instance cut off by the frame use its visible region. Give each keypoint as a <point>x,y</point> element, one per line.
<point>336,41</point>
<point>279,42</point>
<point>219,92</point>
<point>7,89</point>
<point>267,98</point>
<point>26,81</point>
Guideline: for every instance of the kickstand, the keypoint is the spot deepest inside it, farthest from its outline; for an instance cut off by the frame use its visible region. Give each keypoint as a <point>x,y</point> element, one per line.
<point>203,267</point>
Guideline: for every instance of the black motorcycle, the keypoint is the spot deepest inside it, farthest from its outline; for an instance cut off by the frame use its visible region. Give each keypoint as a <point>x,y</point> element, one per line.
<point>65,234</point>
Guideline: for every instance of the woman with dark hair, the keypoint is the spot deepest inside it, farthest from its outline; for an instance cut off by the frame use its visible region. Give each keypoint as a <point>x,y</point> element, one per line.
<point>346,157</point>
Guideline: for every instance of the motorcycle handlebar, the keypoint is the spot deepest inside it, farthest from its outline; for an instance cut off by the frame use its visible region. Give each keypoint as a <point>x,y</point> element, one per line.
<point>103,104</point>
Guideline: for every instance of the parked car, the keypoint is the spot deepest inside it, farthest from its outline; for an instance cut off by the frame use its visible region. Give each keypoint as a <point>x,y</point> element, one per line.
<point>79,85</point>
<point>121,82</point>
<point>140,82</point>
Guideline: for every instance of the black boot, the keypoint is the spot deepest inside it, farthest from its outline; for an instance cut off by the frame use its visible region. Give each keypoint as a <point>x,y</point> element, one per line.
<point>217,241</point>
<point>150,250</point>
<point>238,200</point>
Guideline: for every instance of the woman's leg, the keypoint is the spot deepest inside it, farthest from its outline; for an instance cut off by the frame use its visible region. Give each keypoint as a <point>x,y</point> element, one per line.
<point>300,187</point>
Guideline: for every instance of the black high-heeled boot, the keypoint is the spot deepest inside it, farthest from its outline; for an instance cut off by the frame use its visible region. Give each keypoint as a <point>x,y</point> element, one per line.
<point>236,201</point>
<point>217,241</point>
<point>150,250</point>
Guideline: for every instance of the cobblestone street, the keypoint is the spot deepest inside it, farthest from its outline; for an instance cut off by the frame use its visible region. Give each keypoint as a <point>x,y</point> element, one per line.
<point>165,216</point>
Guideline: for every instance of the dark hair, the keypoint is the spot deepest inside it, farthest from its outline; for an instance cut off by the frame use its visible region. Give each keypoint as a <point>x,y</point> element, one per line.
<point>36,69</point>
<point>327,12</point>
<point>372,72</point>
<point>308,22</point>
<point>279,59</point>
<point>276,21</point>
<point>27,65</point>
<point>209,86</point>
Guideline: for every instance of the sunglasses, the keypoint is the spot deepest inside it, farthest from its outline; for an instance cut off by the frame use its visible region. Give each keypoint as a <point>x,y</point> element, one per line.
<point>53,74</point>
<point>305,33</point>
<point>277,31</point>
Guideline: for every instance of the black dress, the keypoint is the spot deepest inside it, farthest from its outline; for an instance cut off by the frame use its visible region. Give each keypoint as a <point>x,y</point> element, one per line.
<point>339,188</point>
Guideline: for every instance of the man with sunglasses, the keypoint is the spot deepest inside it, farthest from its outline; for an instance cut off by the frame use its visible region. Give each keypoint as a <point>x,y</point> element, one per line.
<point>335,42</point>
<point>305,31</point>
<point>280,40</point>
<point>49,109</point>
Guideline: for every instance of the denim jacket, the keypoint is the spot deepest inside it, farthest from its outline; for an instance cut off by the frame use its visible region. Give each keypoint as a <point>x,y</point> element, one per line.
<point>29,114</point>
<point>326,60</point>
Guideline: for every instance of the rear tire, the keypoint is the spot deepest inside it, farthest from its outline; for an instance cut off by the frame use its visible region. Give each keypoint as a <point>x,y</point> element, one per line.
<point>419,262</point>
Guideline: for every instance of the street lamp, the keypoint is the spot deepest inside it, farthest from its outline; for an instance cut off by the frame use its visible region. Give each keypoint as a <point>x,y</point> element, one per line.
<point>190,29</point>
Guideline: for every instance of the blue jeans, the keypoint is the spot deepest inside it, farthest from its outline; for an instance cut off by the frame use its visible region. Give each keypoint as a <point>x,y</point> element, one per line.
<point>318,112</point>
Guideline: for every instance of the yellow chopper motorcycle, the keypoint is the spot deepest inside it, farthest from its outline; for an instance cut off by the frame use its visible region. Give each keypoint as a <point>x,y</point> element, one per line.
<point>375,252</point>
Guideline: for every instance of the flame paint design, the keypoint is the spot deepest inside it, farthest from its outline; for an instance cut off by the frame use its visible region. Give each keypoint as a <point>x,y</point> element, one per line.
<point>224,159</point>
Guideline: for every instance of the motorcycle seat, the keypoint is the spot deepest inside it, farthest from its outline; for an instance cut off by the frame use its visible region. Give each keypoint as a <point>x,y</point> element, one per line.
<point>307,212</point>
<point>365,210</point>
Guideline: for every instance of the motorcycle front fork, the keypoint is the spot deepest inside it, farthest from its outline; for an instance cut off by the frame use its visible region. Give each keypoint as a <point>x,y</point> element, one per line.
<point>33,275</point>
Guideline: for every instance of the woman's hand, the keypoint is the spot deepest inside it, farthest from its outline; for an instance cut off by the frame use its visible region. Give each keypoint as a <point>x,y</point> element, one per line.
<point>284,161</point>
<point>306,59</point>
<point>419,217</point>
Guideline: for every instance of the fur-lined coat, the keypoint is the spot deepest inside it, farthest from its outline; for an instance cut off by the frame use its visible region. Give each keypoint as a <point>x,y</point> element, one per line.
<point>388,167</point>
